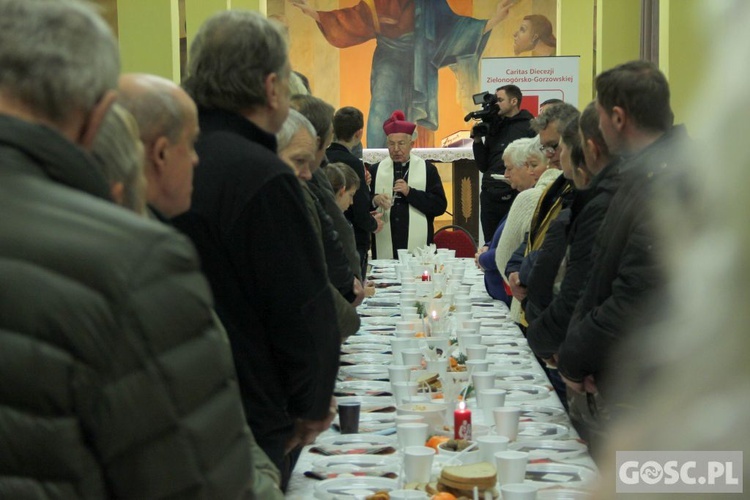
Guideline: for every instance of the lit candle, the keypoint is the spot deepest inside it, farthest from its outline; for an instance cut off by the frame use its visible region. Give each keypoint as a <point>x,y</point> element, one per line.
<point>426,276</point>
<point>462,422</point>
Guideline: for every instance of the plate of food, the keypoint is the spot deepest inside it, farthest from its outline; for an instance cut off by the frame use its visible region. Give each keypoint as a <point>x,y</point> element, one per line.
<point>534,431</point>
<point>541,413</point>
<point>552,449</point>
<point>523,392</point>
<point>356,465</point>
<point>364,348</point>
<point>364,372</point>
<point>362,388</point>
<point>519,377</point>
<point>547,475</point>
<point>354,444</point>
<point>358,487</point>
<point>366,359</point>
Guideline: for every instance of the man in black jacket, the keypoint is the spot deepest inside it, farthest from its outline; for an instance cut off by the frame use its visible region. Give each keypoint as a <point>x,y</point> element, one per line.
<point>348,126</point>
<point>636,121</point>
<point>250,225</point>
<point>116,381</point>
<point>511,123</point>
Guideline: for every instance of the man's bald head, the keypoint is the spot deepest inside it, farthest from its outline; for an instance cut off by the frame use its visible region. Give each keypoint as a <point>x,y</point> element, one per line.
<point>158,105</point>
<point>168,121</point>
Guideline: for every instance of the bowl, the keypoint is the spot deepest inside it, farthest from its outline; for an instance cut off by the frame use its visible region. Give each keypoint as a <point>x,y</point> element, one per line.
<point>470,457</point>
<point>433,413</point>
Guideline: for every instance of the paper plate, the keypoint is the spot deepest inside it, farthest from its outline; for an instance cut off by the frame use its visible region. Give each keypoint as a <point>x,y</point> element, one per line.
<point>371,403</point>
<point>383,262</point>
<point>367,339</point>
<point>552,449</point>
<point>557,493</point>
<point>378,311</point>
<point>359,465</point>
<point>366,359</point>
<point>507,352</point>
<point>523,392</point>
<point>518,377</point>
<point>364,372</point>
<point>353,440</point>
<point>541,413</point>
<point>358,487</point>
<point>379,320</point>
<point>362,388</point>
<point>509,363</point>
<point>553,474</point>
<point>364,348</point>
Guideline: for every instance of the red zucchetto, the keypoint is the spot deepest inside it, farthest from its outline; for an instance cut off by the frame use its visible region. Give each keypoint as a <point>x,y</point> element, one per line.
<point>397,124</point>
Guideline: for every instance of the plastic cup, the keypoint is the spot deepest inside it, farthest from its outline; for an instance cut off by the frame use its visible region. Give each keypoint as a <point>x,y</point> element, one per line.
<point>511,466</point>
<point>489,399</point>
<point>403,390</point>
<point>411,356</point>
<point>506,421</point>
<point>399,373</point>
<point>518,491</point>
<point>412,434</point>
<point>476,351</point>
<point>489,445</point>
<point>349,417</point>
<point>477,365</point>
<point>418,464</point>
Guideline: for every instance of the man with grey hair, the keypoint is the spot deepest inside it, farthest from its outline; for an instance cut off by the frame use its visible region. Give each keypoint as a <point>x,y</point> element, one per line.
<point>247,212</point>
<point>168,123</point>
<point>116,382</point>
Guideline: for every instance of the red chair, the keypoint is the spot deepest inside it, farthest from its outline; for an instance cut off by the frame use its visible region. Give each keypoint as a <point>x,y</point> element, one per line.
<point>456,238</point>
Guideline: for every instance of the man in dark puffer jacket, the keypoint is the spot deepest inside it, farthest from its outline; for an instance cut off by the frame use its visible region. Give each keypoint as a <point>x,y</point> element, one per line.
<point>636,121</point>
<point>115,381</point>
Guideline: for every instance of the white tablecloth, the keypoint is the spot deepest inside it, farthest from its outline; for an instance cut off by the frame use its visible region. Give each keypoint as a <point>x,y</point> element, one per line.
<point>301,487</point>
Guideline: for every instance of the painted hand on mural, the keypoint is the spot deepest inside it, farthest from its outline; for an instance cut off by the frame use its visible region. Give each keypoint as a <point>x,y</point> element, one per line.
<point>304,6</point>
<point>503,9</point>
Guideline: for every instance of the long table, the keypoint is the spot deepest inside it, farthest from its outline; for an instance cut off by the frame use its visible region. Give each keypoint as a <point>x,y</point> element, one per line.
<point>549,475</point>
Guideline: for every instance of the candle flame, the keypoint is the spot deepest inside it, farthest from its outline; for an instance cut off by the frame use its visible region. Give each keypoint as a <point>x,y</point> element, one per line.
<point>461,405</point>
<point>434,314</point>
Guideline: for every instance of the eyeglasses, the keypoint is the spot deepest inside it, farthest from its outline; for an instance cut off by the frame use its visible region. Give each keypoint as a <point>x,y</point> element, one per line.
<point>550,150</point>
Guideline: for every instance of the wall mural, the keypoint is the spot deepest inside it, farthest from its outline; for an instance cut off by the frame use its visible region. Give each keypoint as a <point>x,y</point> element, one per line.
<point>421,56</point>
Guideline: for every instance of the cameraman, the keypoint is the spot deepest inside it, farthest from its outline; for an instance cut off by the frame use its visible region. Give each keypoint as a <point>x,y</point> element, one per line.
<point>509,124</point>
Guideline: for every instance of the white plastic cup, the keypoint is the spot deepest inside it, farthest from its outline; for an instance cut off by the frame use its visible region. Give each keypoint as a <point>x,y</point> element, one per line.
<point>412,434</point>
<point>399,373</point>
<point>418,464</point>
<point>517,491</point>
<point>404,390</point>
<point>476,351</point>
<point>506,421</point>
<point>462,316</point>
<point>472,324</point>
<point>411,356</point>
<point>398,344</point>
<point>489,399</point>
<point>467,339</point>
<point>482,381</point>
<point>511,466</point>
<point>489,445</point>
<point>477,365</point>
<point>463,307</point>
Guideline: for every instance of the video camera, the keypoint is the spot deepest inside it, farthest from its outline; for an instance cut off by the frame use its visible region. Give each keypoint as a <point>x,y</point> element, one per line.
<point>485,115</point>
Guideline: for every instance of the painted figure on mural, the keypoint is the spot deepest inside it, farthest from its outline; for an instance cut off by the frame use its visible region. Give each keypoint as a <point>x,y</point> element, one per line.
<point>414,38</point>
<point>535,36</point>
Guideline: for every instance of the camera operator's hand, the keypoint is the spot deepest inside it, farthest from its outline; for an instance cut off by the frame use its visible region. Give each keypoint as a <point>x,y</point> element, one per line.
<point>400,186</point>
<point>476,133</point>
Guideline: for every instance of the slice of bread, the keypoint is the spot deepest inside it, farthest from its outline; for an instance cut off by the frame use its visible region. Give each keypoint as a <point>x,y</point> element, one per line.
<point>482,475</point>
